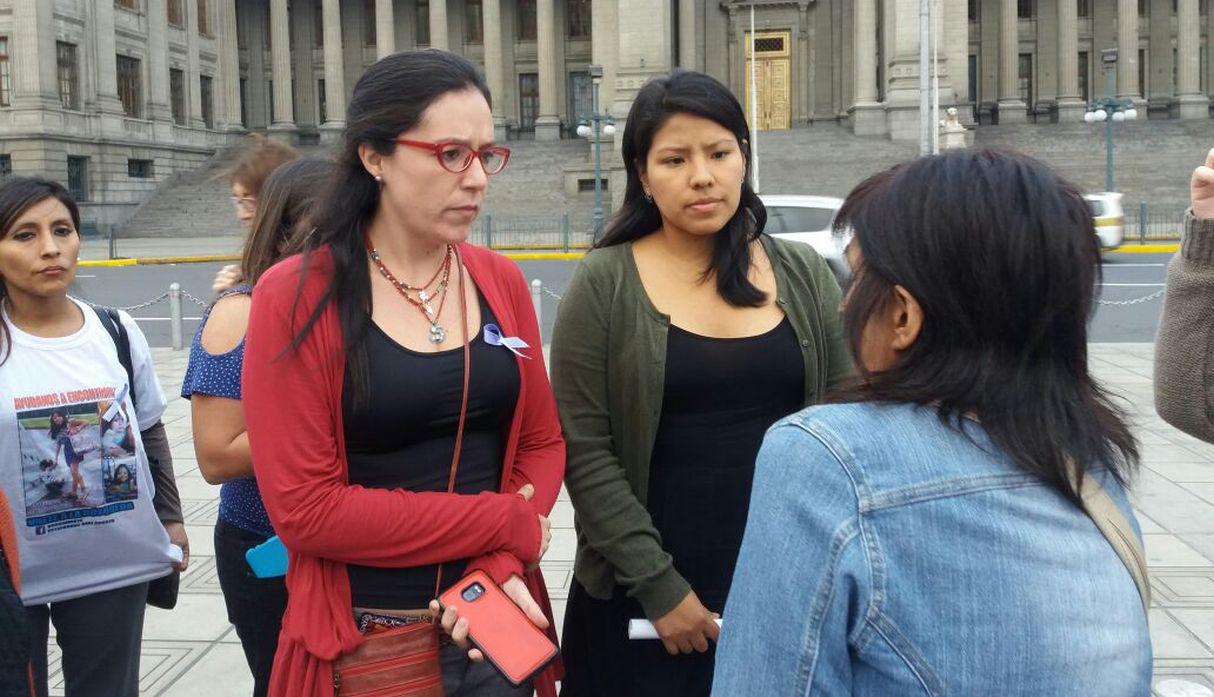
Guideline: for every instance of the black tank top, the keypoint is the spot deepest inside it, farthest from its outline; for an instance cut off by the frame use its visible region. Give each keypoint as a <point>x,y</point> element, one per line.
<point>721,396</point>
<point>405,436</point>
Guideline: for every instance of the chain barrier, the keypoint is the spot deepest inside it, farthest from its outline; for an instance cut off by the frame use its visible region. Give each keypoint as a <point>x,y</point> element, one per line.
<point>131,308</point>
<point>1136,301</point>
<point>551,294</point>
<point>188,296</point>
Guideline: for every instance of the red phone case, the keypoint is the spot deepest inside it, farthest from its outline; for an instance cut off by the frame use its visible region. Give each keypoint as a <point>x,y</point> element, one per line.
<point>499,628</point>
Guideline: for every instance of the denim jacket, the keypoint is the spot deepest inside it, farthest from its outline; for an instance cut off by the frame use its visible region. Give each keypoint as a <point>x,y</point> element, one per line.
<point>887,553</point>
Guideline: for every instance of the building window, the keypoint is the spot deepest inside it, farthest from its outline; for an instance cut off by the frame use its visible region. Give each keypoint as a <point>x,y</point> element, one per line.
<point>526,20</point>
<point>176,12</point>
<point>973,79</point>
<point>78,177</point>
<point>579,19</point>
<point>474,24</point>
<point>6,165</point>
<point>422,25</point>
<point>128,4</point>
<point>204,18</point>
<point>177,95</point>
<point>1174,59</point>
<point>580,98</point>
<point>1085,8</point>
<point>69,77</point>
<point>321,102</point>
<point>1026,9</point>
<point>130,86</point>
<point>206,91</point>
<point>266,31</point>
<point>972,11</point>
<point>139,169</point>
<point>1084,92</point>
<point>528,100</point>
<point>318,27</point>
<point>5,77</point>
<point>369,20</point>
<point>1026,78</point>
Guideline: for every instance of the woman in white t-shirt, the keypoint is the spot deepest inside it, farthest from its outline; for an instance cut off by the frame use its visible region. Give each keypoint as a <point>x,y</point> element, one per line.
<point>86,553</point>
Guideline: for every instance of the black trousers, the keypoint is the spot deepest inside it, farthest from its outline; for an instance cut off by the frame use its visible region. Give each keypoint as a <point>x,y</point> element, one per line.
<point>255,605</point>
<point>601,661</point>
<point>100,637</point>
<point>14,637</point>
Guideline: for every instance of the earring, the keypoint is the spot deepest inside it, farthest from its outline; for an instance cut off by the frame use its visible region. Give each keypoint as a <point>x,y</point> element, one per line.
<point>379,178</point>
<point>648,196</point>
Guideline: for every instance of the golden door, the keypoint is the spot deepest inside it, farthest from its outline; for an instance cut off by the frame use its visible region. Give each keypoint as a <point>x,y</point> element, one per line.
<point>772,79</point>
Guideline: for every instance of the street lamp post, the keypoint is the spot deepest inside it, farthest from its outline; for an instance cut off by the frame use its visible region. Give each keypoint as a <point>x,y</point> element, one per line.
<point>1108,110</point>
<point>600,125</point>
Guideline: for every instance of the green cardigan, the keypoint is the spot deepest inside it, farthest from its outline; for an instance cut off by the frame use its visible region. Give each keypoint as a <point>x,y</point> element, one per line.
<point>608,361</point>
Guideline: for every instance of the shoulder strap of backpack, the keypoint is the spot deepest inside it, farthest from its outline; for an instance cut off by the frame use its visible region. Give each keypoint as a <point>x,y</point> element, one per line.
<point>113,326</point>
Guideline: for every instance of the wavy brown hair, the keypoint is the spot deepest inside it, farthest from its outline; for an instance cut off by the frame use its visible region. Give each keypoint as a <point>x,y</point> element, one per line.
<point>284,210</point>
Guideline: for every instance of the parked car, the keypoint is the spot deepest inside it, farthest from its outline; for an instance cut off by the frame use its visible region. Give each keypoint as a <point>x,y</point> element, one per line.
<point>810,219</point>
<point>1109,218</point>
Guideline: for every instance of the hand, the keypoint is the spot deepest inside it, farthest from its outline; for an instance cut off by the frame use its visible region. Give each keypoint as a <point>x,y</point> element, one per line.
<point>227,277</point>
<point>688,626</point>
<point>1201,189</point>
<point>515,588</point>
<point>527,492</point>
<point>178,537</point>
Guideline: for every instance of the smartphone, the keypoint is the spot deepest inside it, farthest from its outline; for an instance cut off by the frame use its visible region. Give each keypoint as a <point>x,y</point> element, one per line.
<point>515,646</point>
<point>268,559</point>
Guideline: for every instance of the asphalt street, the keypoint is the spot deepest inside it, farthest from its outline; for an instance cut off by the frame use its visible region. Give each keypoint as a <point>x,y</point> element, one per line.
<point>1126,277</point>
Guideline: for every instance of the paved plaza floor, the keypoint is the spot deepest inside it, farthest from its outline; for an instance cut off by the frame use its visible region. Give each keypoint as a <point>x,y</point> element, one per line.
<point>193,651</point>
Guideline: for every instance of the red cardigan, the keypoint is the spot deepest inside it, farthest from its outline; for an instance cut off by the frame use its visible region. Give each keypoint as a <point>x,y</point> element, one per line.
<point>293,411</point>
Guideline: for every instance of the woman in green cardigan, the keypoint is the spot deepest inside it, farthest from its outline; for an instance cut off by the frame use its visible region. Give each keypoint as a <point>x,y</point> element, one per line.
<point>682,337</point>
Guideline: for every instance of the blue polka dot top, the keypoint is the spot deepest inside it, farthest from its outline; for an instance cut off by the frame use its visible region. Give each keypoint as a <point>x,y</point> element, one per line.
<point>219,375</point>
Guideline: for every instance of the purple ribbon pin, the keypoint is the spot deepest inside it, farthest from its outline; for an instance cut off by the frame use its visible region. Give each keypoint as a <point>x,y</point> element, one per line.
<point>493,337</point>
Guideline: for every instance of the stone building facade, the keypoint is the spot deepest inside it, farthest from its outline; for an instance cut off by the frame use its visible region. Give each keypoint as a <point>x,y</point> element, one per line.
<point>115,96</point>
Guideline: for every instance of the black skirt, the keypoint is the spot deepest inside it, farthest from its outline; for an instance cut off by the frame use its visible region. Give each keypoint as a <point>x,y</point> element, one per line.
<point>600,660</point>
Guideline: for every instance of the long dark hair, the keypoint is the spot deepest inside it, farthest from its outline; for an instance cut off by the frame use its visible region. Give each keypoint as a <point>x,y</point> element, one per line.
<point>1003,259</point>
<point>18,195</point>
<point>390,98</point>
<point>287,198</point>
<point>56,428</point>
<point>689,92</point>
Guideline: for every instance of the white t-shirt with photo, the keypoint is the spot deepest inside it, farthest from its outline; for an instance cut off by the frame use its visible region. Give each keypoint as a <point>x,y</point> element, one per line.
<point>72,462</point>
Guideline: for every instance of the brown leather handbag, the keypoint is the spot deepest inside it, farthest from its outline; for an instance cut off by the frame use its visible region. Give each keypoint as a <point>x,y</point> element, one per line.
<point>403,661</point>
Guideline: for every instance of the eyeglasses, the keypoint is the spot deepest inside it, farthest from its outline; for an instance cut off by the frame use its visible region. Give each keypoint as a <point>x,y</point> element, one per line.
<point>244,203</point>
<point>457,157</point>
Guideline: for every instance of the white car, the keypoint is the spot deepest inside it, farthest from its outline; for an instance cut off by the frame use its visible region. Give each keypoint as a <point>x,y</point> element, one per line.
<point>810,219</point>
<point>1109,218</point>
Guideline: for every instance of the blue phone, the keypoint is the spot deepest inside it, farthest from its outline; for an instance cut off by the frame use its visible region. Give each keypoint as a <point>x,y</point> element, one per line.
<point>268,559</point>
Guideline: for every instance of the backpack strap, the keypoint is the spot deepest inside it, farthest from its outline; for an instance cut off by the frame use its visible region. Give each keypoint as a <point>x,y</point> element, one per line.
<point>112,321</point>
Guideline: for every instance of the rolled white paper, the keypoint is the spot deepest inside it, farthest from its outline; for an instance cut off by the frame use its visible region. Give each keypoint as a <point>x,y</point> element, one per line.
<point>644,629</point>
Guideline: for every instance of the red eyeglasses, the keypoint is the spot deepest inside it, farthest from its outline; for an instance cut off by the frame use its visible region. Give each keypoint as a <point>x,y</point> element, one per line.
<point>457,157</point>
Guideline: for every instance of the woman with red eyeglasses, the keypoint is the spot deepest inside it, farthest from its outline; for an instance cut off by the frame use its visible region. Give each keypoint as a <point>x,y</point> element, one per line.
<point>397,440</point>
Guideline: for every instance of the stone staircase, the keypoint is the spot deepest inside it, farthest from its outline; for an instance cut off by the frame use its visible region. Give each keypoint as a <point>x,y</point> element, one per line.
<point>1153,162</point>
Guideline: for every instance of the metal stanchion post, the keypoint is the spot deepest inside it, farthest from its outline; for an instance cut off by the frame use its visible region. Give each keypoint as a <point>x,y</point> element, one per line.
<point>537,299</point>
<point>175,314</point>
<point>1142,222</point>
<point>113,242</point>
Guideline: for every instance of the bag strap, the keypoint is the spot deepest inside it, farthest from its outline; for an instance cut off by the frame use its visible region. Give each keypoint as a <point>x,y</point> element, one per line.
<point>1116,528</point>
<point>112,321</point>
<point>463,408</point>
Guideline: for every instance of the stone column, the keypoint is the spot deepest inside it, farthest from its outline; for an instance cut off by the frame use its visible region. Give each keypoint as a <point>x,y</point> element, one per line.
<point>1193,104</point>
<point>604,47</point>
<point>644,49</point>
<point>491,16</point>
<point>955,48</point>
<point>1127,49</point>
<point>32,51</point>
<point>1011,108</point>
<point>438,24</point>
<point>280,56</point>
<point>159,108</point>
<point>687,34</point>
<point>547,124</point>
<point>107,59</point>
<point>902,74</point>
<point>385,29</point>
<point>193,72</point>
<point>228,116</point>
<point>335,74</point>
<point>1070,102</point>
<point>868,116</point>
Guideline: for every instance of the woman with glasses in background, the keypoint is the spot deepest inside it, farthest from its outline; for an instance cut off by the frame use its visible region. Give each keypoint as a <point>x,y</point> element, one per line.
<point>397,442</point>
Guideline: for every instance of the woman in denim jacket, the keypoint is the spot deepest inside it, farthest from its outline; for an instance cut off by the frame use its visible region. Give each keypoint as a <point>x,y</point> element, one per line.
<point>922,535</point>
